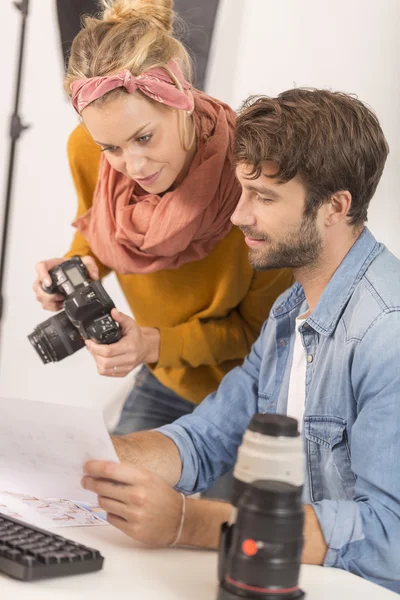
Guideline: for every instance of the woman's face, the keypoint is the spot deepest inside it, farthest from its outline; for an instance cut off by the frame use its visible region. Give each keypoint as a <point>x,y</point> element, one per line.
<point>141,139</point>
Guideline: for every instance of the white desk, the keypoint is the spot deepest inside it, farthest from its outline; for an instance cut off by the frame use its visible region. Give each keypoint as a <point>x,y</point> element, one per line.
<point>135,573</point>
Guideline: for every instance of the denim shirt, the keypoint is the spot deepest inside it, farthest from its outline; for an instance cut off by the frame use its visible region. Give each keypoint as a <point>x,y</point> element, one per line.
<point>351,423</point>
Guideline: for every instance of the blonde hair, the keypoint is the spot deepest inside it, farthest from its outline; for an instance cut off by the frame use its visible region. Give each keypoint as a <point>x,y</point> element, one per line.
<point>127,34</point>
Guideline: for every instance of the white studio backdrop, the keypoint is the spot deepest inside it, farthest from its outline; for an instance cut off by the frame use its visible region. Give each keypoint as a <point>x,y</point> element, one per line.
<point>347,45</point>
<point>260,46</point>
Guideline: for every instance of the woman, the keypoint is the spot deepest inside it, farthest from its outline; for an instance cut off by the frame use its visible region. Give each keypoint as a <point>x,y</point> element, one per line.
<point>156,190</point>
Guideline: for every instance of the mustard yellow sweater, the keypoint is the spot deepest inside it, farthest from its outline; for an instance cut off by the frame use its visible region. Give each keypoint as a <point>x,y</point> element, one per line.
<point>209,312</point>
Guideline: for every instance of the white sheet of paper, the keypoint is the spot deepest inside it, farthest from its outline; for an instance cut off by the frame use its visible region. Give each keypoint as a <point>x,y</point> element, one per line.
<point>43,448</point>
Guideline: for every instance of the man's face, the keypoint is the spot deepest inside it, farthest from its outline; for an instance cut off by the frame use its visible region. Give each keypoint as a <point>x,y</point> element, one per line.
<point>271,216</point>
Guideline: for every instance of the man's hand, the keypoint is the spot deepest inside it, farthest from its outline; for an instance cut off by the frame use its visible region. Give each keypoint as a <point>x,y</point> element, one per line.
<point>143,506</point>
<point>137,502</point>
<point>315,547</point>
<point>138,345</point>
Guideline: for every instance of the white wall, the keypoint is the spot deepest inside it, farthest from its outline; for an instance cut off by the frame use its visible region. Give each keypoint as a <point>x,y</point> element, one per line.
<point>347,45</point>
<point>261,46</point>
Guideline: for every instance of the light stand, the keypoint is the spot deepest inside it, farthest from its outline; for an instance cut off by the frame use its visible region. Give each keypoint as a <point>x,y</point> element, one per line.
<point>16,128</point>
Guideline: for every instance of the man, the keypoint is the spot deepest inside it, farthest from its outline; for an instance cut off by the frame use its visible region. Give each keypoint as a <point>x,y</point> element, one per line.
<point>309,163</point>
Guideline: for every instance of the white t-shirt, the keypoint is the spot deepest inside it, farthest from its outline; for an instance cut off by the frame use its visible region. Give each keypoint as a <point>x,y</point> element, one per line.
<point>297,381</point>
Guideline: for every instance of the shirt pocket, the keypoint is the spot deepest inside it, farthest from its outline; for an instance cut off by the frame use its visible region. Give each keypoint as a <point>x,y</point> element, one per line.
<point>328,458</point>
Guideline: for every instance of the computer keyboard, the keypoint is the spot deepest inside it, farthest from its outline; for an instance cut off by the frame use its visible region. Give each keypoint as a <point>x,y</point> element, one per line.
<point>29,553</point>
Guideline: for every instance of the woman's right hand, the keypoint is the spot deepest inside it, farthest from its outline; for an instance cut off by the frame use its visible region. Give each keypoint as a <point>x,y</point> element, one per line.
<point>54,302</point>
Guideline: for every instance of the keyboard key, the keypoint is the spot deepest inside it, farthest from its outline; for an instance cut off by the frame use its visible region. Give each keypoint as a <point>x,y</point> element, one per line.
<point>13,554</point>
<point>28,561</point>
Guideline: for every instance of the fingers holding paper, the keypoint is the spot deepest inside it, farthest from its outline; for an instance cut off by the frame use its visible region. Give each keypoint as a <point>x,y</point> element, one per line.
<point>137,502</point>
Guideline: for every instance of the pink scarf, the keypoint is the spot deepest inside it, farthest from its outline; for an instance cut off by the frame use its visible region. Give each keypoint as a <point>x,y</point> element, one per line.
<point>132,231</point>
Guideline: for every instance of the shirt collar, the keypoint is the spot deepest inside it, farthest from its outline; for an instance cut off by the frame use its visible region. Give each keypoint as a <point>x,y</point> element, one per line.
<point>339,290</point>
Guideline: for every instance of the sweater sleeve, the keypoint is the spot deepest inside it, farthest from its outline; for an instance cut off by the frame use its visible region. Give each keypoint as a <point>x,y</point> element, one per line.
<point>213,341</point>
<point>84,159</point>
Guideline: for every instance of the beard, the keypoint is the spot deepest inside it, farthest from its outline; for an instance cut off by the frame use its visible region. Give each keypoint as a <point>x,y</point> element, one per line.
<point>297,249</point>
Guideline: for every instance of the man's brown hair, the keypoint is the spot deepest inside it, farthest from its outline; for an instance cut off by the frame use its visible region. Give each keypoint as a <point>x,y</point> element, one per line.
<point>330,140</point>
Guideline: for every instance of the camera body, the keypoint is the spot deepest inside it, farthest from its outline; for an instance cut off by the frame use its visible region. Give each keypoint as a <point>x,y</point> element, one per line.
<point>86,314</point>
<point>261,546</point>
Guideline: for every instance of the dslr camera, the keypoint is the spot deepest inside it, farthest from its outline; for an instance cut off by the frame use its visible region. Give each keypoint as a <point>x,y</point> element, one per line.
<point>86,314</point>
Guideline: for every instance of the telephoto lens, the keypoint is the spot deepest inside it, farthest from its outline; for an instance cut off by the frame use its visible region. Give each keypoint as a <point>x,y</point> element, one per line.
<point>261,546</point>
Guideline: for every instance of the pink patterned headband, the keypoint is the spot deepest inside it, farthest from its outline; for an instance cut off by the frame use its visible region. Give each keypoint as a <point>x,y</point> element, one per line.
<point>155,83</point>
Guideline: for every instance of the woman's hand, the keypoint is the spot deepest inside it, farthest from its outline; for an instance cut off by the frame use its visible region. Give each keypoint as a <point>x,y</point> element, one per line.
<point>137,502</point>
<point>55,302</point>
<point>138,345</point>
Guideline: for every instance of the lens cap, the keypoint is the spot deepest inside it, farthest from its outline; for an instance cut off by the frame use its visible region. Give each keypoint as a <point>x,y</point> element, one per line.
<point>274,425</point>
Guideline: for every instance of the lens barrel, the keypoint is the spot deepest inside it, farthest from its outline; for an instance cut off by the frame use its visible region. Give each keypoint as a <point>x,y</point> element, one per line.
<point>263,548</point>
<point>56,338</point>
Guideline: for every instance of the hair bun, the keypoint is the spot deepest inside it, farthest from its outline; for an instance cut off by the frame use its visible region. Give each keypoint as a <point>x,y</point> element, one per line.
<point>158,12</point>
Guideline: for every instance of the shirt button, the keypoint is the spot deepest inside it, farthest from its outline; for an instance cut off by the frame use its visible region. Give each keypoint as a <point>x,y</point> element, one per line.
<point>283,343</point>
<point>279,310</point>
<point>310,358</point>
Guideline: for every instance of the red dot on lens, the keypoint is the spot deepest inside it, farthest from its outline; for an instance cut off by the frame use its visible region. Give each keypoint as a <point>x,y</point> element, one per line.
<point>249,547</point>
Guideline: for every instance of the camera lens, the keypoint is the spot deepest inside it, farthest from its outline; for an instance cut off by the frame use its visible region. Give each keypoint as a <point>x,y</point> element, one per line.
<point>56,338</point>
<point>265,544</point>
